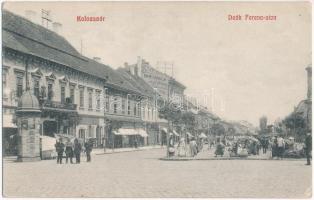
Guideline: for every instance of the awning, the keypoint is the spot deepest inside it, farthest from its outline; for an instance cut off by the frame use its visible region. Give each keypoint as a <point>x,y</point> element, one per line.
<point>142,132</point>
<point>8,122</point>
<point>189,134</point>
<point>126,131</point>
<point>165,129</point>
<point>202,135</point>
<point>175,133</point>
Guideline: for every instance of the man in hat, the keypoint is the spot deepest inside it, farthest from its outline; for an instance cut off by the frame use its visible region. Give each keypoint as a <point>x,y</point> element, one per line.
<point>88,149</point>
<point>59,149</point>
<point>308,148</point>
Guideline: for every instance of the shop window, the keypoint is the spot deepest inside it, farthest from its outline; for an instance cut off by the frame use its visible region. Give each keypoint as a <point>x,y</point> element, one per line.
<point>82,133</point>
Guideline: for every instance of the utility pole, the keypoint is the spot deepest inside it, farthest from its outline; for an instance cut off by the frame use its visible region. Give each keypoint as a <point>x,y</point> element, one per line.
<point>45,18</point>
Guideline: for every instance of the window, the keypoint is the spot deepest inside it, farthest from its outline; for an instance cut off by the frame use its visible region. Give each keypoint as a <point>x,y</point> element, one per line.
<point>50,91</point>
<point>89,131</point>
<point>62,94</point>
<point>139,109</point>
<point>81,133</point>
<point>129,107</point>
<point>123,106</point>
<point>115,105</point>
<point>90,99</point>
<point>36,87</point>
<point>134,109</point>
<point>98,100</point>
<point>107,101</point>
<point>4,78</point>
<point>148,113</point>
<point>72,94</point>
<point>19,86</point>
<point>81,97</point>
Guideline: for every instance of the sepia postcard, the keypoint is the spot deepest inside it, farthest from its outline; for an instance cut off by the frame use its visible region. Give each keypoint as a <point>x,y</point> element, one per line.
<point>156,99</point>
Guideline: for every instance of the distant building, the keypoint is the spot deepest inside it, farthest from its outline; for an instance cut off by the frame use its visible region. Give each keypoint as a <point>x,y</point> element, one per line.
<point>263,124</point>
<point>304,108</point>
<point>168,88</point>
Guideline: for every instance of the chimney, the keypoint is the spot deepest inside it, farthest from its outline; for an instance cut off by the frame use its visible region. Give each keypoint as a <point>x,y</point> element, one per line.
<point>132,69</point>
<point>309,82</point>
<point>57,27</point>
<point>97,59</point>
<point>30,15</point>
<point>139,66</point>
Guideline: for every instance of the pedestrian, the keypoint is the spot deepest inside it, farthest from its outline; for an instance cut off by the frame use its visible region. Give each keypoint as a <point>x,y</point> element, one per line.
<point>193,147</point>
<point>308,148</point>
<point>69,151</point>
<point>182,148</point>
<point>280,147</point>
<point>274,147</point>
<point>77,150</point>
<point>104,144</point>
<point>219,149</point>
<point>265,144</point>
<point>171,146</point>
<point>88,149</point>
<point>59,149</point>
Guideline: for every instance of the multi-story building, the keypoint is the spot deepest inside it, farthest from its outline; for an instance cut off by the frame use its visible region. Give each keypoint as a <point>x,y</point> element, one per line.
<point>75,92</point>
<point>167,87</point>
<point>148,105</point>
<point>304,108</point>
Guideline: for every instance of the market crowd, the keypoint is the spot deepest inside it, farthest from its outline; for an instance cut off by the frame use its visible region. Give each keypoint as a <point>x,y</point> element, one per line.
<point>276,147</point>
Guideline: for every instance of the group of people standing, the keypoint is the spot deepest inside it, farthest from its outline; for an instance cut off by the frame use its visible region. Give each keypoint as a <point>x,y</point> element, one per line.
<point>189,148</point>
<point>72,150</point>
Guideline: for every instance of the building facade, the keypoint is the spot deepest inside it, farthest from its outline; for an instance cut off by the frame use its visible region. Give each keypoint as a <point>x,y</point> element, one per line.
<point>77,95</point>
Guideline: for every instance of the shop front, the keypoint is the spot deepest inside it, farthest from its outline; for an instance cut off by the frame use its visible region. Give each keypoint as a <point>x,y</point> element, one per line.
<point>92,128</point>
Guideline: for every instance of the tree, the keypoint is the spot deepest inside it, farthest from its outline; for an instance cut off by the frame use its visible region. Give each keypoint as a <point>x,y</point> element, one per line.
<point>218,129</point>
<point>188,119</point>
<point>296,123</point>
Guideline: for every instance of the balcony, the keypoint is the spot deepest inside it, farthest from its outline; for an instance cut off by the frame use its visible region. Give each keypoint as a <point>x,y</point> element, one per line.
<point>58,105</point>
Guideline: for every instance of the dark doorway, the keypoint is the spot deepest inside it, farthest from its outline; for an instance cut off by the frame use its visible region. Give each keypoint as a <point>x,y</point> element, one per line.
<point>9,141</point>
<point>50,128</point>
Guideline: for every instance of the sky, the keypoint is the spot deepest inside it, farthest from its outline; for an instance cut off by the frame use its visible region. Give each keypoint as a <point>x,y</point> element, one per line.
<point>239,69</point>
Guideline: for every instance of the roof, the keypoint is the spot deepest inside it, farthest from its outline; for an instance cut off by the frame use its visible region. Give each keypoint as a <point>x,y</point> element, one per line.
<point>28,103</point>
<point>139,83</point>
<point>27,37</point>
<point>177,83</point>
<point>304,107</point>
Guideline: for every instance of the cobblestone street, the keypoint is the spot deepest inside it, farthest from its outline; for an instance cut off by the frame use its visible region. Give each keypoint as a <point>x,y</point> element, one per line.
<point>142,174</point>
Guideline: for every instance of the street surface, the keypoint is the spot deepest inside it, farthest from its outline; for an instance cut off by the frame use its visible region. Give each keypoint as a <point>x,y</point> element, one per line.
<point>142,174</point>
